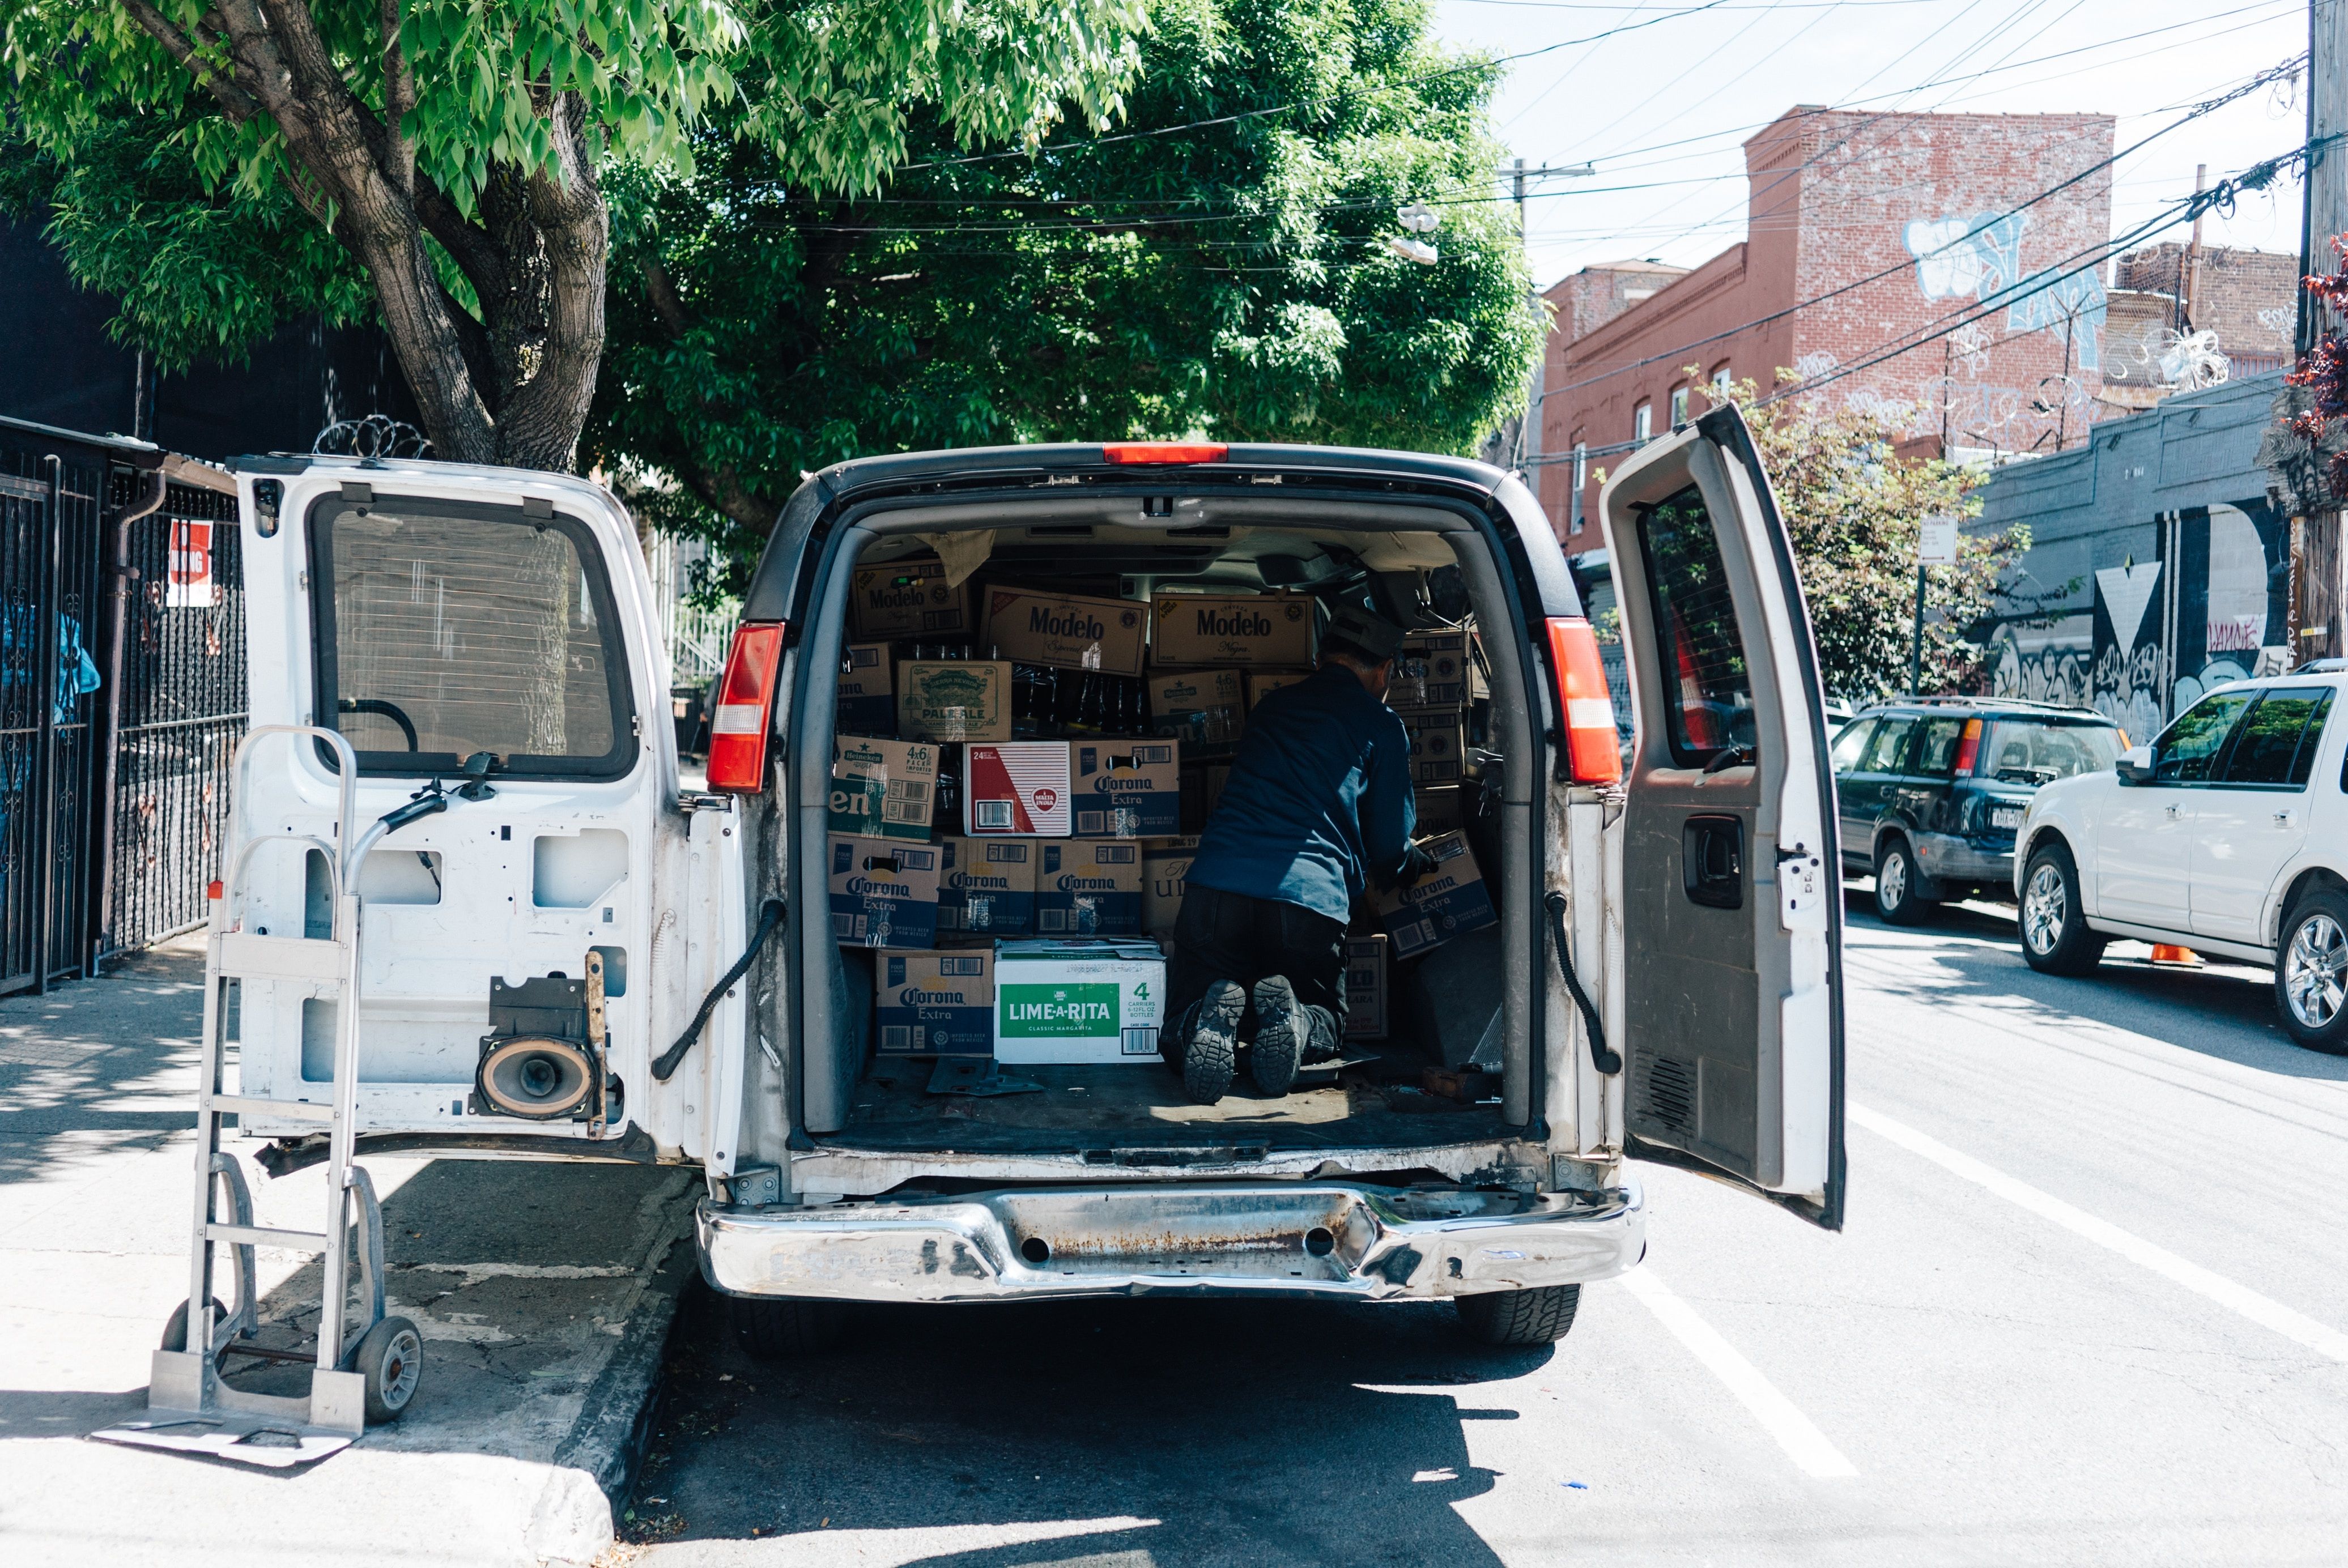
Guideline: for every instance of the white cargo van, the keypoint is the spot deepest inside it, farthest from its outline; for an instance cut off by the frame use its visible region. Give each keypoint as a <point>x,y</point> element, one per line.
<point>486,643</point>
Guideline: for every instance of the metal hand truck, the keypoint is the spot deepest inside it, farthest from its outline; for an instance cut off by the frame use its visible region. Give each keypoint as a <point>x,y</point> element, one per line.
<point>189,1407</point>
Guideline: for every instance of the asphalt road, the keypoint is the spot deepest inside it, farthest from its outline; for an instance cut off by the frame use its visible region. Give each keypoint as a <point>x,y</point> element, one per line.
<point>2091,1306</point>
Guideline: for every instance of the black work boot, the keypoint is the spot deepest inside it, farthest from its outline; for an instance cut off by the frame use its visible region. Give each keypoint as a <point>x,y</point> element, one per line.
<point>1211,1053</point>
<point>1283,1027</point>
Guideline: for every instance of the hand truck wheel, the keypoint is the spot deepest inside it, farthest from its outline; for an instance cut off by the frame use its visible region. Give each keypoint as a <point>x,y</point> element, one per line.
<point>390,1357</point>
<point>175,1331</point>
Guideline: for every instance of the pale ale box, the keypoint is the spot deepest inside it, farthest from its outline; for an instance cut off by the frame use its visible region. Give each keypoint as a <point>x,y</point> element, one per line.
<point>1201,708</point>
<point>866,705</point>
<point>882,789</point>
<point>987,887</point>
<point>1165,874</point>
<point>1058,1001</point>
<point>1256,629</point>
<point>883,893</point>
<point>1449,901</point>
<point>1066,631</point>
<point>1127,788</point>
<point>1015,788</point>
<point>907,599</point>
<point>954,699</point>
<point>929,1003</point>
<point>1088,887</point>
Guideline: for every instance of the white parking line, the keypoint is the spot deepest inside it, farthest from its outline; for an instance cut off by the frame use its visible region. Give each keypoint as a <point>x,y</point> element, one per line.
<point>2263,1310</point>
<point>1804,1444</point>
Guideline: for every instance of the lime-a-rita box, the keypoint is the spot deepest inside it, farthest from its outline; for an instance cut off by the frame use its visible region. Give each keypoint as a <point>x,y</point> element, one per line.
<point>935,1003</point>
<point>1061,1001</point>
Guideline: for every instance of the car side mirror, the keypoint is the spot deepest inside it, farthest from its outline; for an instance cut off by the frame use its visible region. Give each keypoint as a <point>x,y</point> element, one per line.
<point>2135,765</point>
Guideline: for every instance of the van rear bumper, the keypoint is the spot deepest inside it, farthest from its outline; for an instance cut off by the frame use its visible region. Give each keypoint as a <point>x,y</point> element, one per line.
<point>1328,1239</point>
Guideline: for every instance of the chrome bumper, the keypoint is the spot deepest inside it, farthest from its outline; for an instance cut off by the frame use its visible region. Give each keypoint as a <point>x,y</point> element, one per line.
<point>1329,1239</point>
<point>1946,855</point>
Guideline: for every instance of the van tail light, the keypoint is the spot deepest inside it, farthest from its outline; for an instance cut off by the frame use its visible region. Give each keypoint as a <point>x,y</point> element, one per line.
<point>1139,452</point>
<point>746,709</point>
<point>1593,749</point>
<point>1968,746</point>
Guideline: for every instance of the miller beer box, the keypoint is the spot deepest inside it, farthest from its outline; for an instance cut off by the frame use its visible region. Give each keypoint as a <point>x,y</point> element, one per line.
<point>883,893</point>
<point>1431,671</point>
<point>987,887</point>
<point>954,699</point>
<point>1366,988</point>
<point>1260,630</point>
<point>1449,901</point>
<point>935,1003</point>
<point>866,706</point>
<point>1201,708</point>
<point>1088,887</point>
<point>1016,789</point>
<point>882,789</point>
<point>907,599</point>
<point>1165,875</point>
<point>1262,683</point>
<point>1066,632</point>
<point>1060,1001</point>
<point>1438,746</point>
<point>1127,788</point>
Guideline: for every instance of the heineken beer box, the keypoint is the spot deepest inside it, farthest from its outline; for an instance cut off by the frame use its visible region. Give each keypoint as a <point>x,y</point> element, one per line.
<point>1203,707</point>
<point>1262,683</point>
<point>1449,901</point>
<point>866,706</point>
<point>1018,789</point>
<point>1077,1002</point>
<point>1127,788</point>
<point>1088,887</point>
<point>882,789</point>
<point>935,1003</point>
<point>954,699</point>
<point>987,887</point>
<point>1165,874</point>
<point>883,893</point>
<point>1066,630</point>
<point>907,599</point>
<point>1256,629</point>
<point>1432,671</point>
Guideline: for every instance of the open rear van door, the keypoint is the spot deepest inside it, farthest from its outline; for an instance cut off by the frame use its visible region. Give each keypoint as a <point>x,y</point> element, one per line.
<point>1732,908</point>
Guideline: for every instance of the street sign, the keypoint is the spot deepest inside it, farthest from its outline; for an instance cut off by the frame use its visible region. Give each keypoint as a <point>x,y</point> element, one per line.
<point>1936,543</point>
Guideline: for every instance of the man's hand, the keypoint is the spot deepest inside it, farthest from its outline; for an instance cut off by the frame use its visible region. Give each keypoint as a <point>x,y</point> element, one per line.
<point>1414,865</point>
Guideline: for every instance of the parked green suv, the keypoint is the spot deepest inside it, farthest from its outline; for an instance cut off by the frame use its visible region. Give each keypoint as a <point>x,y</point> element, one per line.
<point>1931,791</point>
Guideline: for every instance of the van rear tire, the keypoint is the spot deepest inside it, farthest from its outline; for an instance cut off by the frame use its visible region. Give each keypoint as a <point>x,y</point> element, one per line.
<point>1539,1316</point>
<point>769,1330</point>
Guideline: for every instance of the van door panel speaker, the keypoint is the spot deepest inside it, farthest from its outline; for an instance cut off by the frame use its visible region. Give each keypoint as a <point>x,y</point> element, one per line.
<point>541,1061</point>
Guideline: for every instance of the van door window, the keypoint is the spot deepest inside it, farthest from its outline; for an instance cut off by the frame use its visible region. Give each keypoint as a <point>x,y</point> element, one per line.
<point>1707,691</point>
<point>446,630</point>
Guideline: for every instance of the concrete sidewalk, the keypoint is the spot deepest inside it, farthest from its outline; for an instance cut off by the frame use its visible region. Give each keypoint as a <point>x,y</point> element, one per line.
<point>544,1292</point>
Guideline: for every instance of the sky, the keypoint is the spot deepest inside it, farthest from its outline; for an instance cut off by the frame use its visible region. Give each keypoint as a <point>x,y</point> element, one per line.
<point>1662,104</point>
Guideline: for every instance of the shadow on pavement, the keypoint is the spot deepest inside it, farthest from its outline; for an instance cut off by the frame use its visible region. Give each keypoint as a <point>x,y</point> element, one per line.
<point>1181,1432</point>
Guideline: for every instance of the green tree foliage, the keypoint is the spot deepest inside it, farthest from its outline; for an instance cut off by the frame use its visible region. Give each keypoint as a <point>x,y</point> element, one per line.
<point>1218,265</point>
<point>443,161</point>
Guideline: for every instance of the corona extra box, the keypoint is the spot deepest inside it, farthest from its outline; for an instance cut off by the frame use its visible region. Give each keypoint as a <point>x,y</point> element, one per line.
<point>987,887</point>
<point>935,1003</point>
<point>1089,887</point>
<point>1449,901</point>
<point>1127,788</point>
<point>883,893</point>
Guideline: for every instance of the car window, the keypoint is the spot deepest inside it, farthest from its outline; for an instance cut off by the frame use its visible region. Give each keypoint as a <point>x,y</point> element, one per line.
<point>2188,749</point>
<point>1851,744</point>
<point>1883,752</point>
<point>1707,691</point>
<point>2038,752</point>
<point>2276,745</point>
<point>1936,748</point>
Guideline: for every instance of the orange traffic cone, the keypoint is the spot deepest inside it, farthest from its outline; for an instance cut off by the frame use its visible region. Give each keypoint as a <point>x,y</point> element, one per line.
<point>2166,953</point>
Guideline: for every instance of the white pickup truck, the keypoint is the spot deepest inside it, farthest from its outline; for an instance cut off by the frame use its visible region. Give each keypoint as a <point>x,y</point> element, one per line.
<point>486,642</point>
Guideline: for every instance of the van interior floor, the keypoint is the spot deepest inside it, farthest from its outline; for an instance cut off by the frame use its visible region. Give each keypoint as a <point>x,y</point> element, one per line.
<point>1363,1101</point>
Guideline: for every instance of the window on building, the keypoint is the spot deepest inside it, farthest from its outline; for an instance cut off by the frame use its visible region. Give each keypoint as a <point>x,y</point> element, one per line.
<point>1580,481</point>
<point>1720,380</point>
<point>1679,406</point>
<point>1642,422</point>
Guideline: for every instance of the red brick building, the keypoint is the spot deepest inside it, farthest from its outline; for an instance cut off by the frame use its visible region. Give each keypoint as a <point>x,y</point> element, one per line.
<point>1864,233</point>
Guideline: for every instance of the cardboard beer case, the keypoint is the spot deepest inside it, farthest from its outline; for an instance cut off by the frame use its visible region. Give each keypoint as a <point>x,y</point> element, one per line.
<point>1063,1002</point>
<point>1438,808</point>
<point>932,1003</point>
<point>1127,788</point>
<point>1262,629</point>
<point>1015,789</point>
<point>1449,901</point>
<point>1262,683</point>
<point>1165,875</point>
<point>948,700</point>
<point>882,789</point>
<point>883,893</point>
<point>907,599</point>
<point>1068,632</point>
<point>866,703</point>
<point>1439,745</point>
<point>987,886</point>
<point>1367,991</point>
<point>1088,887</point>
<point>1431,670</point>
<point>1201,708</point>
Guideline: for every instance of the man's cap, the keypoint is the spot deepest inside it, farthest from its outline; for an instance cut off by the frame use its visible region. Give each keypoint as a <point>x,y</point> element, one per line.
<point>1379,638</point>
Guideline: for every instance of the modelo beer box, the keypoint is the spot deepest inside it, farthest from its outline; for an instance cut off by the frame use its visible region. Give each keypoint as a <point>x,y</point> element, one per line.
<point>1078,1002</point>
<point>882,789</point>
<point>1016,789</point>
<point>907,599</point>
<point>1439,747</point>
<point>883,893</point>
<point>1066,631</point>
<point>1366,988</point>
<point>1165,874</point>
<point>987,887</point>
<point>935,1003</point>
<point>1449,901</point>
<point>866,705</point>
<point>954,699</point>
<point>1088,887</point>
<point>1203,707</point>
<point>1431,671</point>
<point>1257,629</point>
<point>1127,788</point>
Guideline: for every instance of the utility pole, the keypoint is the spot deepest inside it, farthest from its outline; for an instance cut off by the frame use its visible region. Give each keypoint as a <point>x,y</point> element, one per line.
<point>2317,611</point>
<point>1528,442</point>
<point>2188,294</point>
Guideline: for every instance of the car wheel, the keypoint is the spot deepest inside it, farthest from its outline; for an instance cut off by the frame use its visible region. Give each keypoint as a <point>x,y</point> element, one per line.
<point>1896,882</point>
<point>2055,939</point>
<point>2311,973</point>
<point>1542,1315</point>
<point>773,1329</point>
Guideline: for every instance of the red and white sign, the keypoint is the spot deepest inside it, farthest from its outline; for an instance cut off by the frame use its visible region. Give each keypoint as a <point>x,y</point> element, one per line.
<point>188,583</point>
<point>1017,788</point>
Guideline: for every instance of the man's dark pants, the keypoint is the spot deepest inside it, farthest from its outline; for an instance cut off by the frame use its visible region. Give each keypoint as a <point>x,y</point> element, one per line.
<point>1223,936</point>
